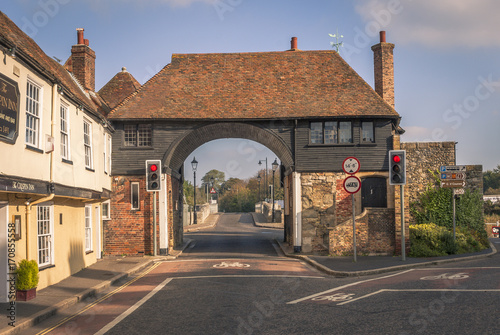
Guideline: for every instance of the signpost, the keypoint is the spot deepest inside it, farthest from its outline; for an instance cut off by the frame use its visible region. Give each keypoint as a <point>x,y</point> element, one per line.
<point>352,185</point>
<point>446,183</point>
<point>454,177</point>
<point>453,168</point>
<point>495,231</point>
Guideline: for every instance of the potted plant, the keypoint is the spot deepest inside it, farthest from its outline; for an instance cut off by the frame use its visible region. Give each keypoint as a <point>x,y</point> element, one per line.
<point>27,280</point>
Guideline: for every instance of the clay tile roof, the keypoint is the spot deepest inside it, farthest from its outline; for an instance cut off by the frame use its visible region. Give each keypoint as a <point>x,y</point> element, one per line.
<point>27,49</point>
<point>263,85</point>
<point>118,88</point>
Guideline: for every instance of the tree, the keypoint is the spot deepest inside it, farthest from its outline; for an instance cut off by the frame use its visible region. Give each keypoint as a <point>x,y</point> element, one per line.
<point>218,178</point>
<point>491,181</point>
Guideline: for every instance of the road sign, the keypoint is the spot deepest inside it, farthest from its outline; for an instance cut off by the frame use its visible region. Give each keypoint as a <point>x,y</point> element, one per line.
<point>495,230</point>
<point>352,184</point>
<point>452,183</point>
<point>453,175</point>
<point>212,191</point>
<point>458,191</point>
<point>453,168</point>
<point>351,165</point>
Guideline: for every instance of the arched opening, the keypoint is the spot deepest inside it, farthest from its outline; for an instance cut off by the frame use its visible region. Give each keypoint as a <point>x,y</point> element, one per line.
<point>253,137</point>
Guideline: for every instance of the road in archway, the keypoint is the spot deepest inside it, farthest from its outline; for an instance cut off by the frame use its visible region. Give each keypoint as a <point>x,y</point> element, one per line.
<point>235,236</point>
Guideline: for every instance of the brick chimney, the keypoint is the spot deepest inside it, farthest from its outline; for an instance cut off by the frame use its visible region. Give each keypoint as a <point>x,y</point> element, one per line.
<point>83,62</point>
<point>384,69</point>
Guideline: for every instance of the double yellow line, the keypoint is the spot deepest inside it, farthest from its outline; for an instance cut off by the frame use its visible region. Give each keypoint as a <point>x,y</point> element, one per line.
<point>63,321</point>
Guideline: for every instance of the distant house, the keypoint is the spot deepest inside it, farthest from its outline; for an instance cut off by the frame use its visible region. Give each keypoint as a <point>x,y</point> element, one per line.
<point>493,198</point>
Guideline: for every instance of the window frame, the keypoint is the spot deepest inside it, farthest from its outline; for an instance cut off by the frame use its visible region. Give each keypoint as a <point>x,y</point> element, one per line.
<point>87,147</point>
<point>45,234</point>
<point>372,130</point>
<point>135,186</point>
<point>65,139</point>
<point>138,135</point>
<point>33,129</point>
<point>106,204</point>
<point>330,135</point>
<point>88,229</point>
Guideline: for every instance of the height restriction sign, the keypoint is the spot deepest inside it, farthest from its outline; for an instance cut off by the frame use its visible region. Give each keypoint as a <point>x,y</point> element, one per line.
<point>351,165</point>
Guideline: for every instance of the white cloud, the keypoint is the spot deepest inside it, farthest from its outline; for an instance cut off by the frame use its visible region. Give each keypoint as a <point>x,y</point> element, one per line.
<point>442,23</point>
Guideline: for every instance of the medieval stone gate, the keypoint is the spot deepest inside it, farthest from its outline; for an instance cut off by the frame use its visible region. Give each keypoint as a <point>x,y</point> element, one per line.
<point>309,107</point>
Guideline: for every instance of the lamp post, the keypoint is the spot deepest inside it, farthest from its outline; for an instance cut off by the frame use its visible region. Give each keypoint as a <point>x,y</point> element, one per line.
<point>258,179</point>
<point>275,166</point>
<point>265,176</point>
<point>194,165</point>
<point>211,182</point>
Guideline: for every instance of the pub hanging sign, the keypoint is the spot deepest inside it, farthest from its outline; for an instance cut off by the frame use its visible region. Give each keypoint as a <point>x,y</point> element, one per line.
<point>9,109</point>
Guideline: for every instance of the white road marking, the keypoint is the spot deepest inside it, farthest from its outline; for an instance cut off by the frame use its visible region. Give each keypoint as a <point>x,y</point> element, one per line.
<point>415,290</point>
<point>249,276</point>
<point>344,286</point>
<point>133,308</point>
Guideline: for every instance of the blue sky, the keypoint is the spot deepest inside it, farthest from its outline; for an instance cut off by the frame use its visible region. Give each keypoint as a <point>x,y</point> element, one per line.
<point>447,55</point>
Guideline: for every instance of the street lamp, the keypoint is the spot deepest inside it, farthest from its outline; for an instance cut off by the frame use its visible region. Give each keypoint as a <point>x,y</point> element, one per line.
<point>275,167</point>
<point>194,165</point>
<point>265,175</point>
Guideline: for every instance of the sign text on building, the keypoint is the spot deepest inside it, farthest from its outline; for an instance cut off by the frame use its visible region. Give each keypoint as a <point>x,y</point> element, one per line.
<point>9,109</point>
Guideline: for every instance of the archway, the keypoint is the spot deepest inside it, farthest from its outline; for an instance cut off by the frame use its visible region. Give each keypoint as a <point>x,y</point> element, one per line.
<point>182,147</point>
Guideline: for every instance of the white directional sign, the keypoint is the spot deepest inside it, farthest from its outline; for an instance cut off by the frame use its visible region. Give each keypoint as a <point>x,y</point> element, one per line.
<point>452,183</point>
<point>458,191</point>
<point>453,168</point>
<point>352,184</point>
<point>351,165</point>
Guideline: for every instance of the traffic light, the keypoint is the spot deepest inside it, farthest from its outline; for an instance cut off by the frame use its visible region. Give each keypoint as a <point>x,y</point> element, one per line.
<point>153,173</point>
<point>397,167</point>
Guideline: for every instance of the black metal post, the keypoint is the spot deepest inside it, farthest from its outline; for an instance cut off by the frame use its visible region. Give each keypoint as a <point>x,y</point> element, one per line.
<point>195,219</point>
<point>273,198</point>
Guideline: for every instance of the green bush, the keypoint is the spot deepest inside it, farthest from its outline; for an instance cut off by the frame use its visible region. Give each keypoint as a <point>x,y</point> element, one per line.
<point>431,240</point>
<point>27,275</point>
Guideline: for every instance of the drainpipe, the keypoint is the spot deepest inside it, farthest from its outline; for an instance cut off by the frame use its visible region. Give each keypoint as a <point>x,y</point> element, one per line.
<point>55,88</point>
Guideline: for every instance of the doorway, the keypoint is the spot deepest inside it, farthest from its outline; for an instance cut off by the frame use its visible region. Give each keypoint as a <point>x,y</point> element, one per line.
<point>374,192</point>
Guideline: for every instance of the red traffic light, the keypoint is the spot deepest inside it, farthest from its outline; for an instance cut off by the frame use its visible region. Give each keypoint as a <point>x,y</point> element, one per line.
<point>153,167</point>
<point>396,159</point>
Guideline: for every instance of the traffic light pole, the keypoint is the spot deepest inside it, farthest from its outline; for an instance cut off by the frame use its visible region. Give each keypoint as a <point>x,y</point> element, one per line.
<point>403,247</point>
<point>155,247</point>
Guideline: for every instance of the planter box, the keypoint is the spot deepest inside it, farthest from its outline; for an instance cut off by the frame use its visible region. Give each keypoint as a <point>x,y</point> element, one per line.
<point>26,295</point>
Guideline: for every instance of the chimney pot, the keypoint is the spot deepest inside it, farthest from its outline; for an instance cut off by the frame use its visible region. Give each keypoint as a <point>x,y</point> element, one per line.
<point>294,43</point>
<point>86,42</point>
<point>79,34</point>
<point>382,36</point>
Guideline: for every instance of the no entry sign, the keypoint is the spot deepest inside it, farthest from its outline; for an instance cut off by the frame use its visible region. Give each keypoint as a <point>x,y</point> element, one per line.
<point>352,184</point>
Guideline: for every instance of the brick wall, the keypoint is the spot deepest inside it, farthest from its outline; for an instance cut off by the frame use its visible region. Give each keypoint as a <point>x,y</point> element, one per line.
<point>423,160</point>
<point>129,231</point>
<point>375,234</point>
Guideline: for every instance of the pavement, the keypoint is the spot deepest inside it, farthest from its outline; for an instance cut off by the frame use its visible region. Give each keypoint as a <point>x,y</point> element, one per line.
<point>344,266</point>
<point>111,270</point>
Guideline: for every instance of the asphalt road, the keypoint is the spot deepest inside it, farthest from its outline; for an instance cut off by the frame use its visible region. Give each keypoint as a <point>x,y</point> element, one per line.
<point>234,281</point>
